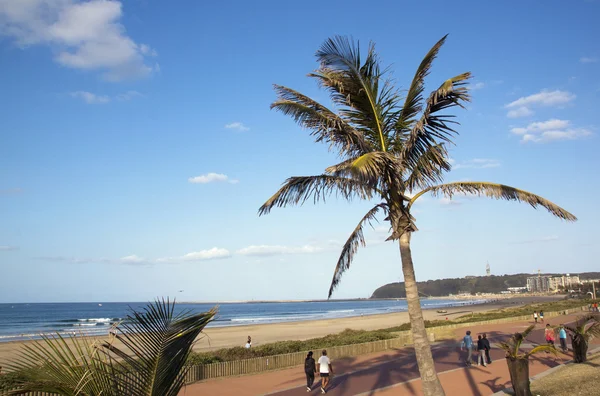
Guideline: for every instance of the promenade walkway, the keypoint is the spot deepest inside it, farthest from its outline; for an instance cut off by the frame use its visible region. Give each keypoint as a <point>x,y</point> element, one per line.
<point>395,372</point>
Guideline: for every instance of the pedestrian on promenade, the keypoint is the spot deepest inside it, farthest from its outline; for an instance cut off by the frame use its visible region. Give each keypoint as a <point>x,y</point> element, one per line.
<point>325,370</point>
<point>310,370</point>
<point>535,316</point>
<point>549,334</point>
<point>480,351</point>
<point>542,316</point>
<point>487,349</point>
<point>562,336</point>
<point>467,347</point>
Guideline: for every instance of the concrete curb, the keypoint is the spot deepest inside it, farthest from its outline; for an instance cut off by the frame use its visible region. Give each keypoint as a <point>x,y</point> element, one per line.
<point>509,391</point>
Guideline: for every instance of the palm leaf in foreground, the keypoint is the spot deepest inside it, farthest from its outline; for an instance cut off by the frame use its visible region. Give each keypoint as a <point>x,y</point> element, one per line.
<point>156,343</point>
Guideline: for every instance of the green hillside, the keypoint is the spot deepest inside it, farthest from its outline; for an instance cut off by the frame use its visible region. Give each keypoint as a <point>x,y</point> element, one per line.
<point>478,284</point>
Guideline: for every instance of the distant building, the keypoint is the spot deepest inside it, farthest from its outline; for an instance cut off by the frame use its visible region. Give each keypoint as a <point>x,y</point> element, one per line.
<point>538,284</point>
<point>546,283</point>
<point>488,271</point>
<point>565,281</point>
<point>470,277</point>
<point>521,289</point>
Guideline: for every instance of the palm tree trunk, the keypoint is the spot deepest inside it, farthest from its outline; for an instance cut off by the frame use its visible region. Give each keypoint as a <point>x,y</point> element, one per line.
<point>519,376</point>
<point>430,381</point>
<point>580,347</point>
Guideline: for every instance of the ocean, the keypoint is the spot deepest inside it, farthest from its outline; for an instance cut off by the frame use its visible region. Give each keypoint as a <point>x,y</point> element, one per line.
<point>26,321</point>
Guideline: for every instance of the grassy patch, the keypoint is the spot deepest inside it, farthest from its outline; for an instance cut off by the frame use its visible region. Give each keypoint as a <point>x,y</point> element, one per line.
<point>351,337</point>
<point>572,379</point>
<point>346,337</point>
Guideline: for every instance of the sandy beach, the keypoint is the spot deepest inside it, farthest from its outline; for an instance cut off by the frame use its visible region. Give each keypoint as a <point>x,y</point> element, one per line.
<point>222,337</point>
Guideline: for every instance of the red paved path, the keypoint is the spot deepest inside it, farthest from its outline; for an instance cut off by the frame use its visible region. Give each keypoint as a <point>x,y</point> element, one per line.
<point>395,371</point>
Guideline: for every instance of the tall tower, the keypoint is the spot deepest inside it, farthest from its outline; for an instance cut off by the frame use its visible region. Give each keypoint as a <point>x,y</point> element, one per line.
<point>487,269</point>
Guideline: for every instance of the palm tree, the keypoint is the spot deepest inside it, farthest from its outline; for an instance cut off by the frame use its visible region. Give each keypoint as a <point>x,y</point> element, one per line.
<point>518,363</point>
<point>391,146</point>
<point>581,334</point>
<point>155,345</point>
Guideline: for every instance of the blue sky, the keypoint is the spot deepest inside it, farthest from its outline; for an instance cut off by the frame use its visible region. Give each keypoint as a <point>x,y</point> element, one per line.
<point>136,145</point>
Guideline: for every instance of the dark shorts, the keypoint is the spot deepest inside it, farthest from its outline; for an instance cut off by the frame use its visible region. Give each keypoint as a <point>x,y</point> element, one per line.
<point>324,375</point>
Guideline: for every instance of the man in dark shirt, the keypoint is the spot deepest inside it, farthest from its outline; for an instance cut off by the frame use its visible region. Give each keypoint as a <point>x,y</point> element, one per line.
<point>486,344</point>
<point>309,369</point>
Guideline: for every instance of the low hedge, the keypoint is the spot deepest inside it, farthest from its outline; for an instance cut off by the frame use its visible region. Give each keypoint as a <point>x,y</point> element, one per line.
<point>350,337</point>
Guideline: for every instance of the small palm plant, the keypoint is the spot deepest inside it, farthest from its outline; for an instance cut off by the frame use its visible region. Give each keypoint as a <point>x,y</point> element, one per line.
<point>145,356</point>
<point>518,361</point>
<point>581,335</point>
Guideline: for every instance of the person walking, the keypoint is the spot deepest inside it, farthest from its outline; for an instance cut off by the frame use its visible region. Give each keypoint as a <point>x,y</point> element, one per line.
<point>562,336</point>
<point>467,347</point>
<point>549,334</point>
<point>486,344</point>
<point>542,316</point>
<point>249,343</point>
<point>535,316</point>
<point>325,370</point>
<point>480,351</point>
<point>310,370</point>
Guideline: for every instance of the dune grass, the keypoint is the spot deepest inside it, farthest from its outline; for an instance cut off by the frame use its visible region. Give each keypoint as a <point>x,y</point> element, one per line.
<point>571,379</point>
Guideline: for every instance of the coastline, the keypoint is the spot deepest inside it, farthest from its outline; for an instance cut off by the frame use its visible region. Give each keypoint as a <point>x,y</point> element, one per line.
<point>224,337</point>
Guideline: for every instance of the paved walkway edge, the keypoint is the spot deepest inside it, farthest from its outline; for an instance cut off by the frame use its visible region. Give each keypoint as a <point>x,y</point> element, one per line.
<point>509,391</point>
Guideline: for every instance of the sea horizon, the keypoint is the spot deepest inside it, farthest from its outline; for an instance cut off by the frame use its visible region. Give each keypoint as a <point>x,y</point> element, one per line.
<point>22,321</point>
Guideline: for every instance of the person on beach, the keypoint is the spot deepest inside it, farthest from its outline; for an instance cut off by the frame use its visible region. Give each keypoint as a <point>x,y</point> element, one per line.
<point>486,344</point>
<point>310,370</point>
<point>549,334</point>
<point>480,351</point>
<point>535,316</point>
<point>467,346</point>
<point>542,316</point>
<point>562,336</point>
<point>325,370</point>
<point>249,343</point>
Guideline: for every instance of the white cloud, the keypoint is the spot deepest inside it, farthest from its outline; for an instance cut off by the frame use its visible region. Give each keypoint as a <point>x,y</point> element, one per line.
<point>546,98</point>
<point>548,131</point>
<point>476,163</point>
<point>476,86</point>
<point>90,98</point>
<point>84,35</point>
<point>238,126</point>
<point>133,259</point>
<point>7,248</point>
<point>519,112</point>
<point>202,255</point>
<point>129,95</point>
<point>10,191</point>
<point>449,201</point>
<point>588,59</point>
<point>274,250</point>
<point>212,177</point>
<point>538,240</point>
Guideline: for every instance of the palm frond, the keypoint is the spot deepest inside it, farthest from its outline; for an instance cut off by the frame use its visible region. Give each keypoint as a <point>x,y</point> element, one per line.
<point>325,125</point>
<point>296,190</point>
<point>414,98</point>
<point>513,344</point>
<point>354,85</point>
<point>429,168</point>
<point>432,127</point>
<point>377,169</point>
<point>66,366</point>
<point>351,246</point>
<point>496,191</point>
<point>542,348</point>
<point>157,344</point>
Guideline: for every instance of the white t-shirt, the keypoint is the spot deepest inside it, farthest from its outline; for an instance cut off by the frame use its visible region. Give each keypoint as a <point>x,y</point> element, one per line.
<point>324,364</point>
